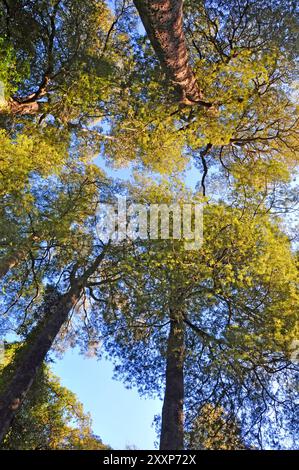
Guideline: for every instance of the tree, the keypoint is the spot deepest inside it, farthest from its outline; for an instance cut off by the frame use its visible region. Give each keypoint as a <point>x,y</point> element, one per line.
<point>52,417</point>
<point>66,254</point>
<point>246,69</point>
<point>61,46</point>
<point>215,324</point>
<point>163,21</point>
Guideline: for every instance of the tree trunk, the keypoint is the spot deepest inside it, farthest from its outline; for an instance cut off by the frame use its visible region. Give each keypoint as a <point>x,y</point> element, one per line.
<point>163,22</point>
<point>172,429</point>
<point>56,309</point>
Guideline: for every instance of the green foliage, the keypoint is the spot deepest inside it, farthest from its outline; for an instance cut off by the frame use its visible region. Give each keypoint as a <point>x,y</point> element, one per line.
<point>239,297</point>
<point>47,229</point>
<point>29,154</point>
<point>245,70</point>
<point>213,430</point>
<point>98,88</point>
<point>10,75</point>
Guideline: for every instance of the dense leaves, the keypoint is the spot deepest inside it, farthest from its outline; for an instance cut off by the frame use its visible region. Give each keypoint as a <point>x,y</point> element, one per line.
<point>83,84</point>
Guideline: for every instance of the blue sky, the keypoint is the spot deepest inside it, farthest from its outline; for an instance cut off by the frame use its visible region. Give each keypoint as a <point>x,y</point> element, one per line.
<point>120,416</point>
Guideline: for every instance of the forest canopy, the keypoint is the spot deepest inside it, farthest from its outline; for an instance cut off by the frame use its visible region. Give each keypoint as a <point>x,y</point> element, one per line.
<point>198,100</point>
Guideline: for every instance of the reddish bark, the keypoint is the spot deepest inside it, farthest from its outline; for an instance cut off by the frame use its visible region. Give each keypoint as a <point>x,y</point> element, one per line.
<point>163,22</point>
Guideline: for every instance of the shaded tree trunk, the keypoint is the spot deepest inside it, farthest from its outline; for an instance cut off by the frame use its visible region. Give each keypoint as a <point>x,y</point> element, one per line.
<point>163,22</point>
<point>29,359</point>
<point>172,429</point>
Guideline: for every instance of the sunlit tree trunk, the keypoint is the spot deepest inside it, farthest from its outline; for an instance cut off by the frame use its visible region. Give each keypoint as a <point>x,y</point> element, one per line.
<point>163,22</point>
<point>172,429</point>
<point>16,107</point>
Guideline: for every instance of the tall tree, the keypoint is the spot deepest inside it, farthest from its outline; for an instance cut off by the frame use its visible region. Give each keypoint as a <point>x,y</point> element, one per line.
<point>242,59</point>
<point>60,46</point>
<point>217,321</point>
<point>67,253</point>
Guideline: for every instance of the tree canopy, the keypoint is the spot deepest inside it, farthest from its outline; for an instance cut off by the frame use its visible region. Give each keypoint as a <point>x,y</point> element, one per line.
<point>178,91</point>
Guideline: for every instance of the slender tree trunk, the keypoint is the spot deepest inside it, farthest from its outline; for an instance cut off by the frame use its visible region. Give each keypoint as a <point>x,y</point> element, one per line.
<point>172,430</point>
<point>163,22</point>
<point>56,309</point>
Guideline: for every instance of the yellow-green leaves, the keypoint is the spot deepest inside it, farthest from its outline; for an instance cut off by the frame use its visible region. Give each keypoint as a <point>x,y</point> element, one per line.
<point>28,153</point>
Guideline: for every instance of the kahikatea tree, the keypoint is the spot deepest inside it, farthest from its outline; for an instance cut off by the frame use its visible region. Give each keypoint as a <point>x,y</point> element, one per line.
<point>59,50</point>
<point>52,417</point>
<point>216,324</point>
<point>244,62</point>
<point>65,253</point>
<point>223,25</point>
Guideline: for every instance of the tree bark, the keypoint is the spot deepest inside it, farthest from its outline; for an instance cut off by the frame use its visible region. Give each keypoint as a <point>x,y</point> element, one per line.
<point>163,22</point>
<point>172,429</point>
<point>7,263</point>
<point>56,309</point>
